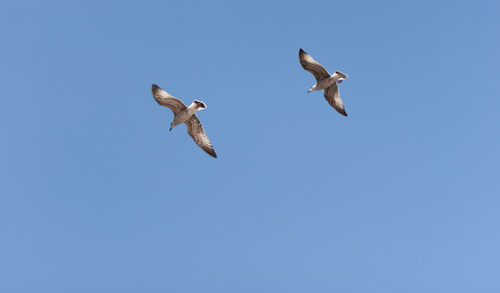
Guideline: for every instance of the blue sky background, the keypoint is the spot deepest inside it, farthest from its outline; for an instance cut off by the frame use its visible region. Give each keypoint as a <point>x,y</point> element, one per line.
<point>98,196</point>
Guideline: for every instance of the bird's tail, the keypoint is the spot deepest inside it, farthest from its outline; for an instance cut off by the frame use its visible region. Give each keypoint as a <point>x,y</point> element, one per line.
<point>199,105</point>
<point>341,74</point>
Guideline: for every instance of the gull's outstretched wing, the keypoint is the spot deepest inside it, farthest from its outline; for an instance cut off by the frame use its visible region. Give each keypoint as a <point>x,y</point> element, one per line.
<point>195,129</point>
<point>165,99</point>
<point>311,65</point>
<point>332,96</point>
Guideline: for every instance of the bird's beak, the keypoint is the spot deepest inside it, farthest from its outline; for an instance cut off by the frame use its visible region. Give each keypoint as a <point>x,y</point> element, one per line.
<point>308,91</point>
<point>170,128</point>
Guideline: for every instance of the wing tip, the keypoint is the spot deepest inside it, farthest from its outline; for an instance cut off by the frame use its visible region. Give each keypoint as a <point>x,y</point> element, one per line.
<point>155,88</point>
<point>211,152</point>
<point>342,111</point>
<point>302,53</point>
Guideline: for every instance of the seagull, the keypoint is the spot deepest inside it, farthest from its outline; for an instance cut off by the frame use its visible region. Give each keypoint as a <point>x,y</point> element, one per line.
<point>186,115</point>
<point>324,81</point>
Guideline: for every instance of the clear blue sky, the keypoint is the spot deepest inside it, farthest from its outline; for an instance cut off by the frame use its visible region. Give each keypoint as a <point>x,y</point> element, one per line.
<point>98,196</point>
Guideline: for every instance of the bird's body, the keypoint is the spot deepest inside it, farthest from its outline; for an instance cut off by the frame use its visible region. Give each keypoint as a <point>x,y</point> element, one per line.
<point>184,114</point>
<point>324,81</point>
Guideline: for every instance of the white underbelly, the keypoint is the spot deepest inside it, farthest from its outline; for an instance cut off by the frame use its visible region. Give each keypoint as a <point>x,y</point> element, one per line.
<point>325,83</point>
<point>182,117</point>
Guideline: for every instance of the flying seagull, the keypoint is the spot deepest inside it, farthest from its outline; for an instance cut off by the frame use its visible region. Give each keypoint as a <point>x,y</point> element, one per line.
<point>324,81</point>
<point>186,115</point>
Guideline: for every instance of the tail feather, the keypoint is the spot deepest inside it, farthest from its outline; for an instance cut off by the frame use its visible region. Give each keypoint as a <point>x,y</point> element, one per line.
<point>341,74</point>
<point>200,104</point>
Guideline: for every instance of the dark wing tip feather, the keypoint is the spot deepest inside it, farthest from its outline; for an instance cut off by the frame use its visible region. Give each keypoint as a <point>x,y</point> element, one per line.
<point>340,110</point>
<point>213,154</point>
<point>155,89</point>
<point>209,150</point>
<point>302,53</point>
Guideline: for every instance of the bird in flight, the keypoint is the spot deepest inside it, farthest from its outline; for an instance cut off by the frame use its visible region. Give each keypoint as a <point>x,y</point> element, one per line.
<point>324,81</point>
<point>184,114</point>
